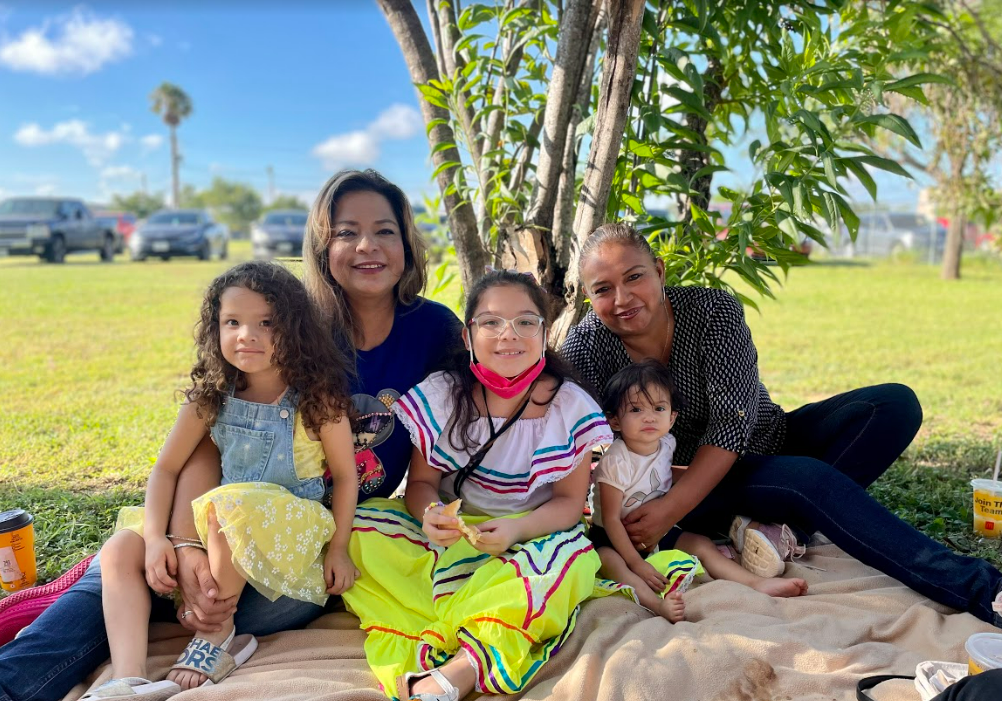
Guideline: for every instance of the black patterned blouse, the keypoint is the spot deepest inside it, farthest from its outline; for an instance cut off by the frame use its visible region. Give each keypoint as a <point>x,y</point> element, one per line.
<point>714,364</point>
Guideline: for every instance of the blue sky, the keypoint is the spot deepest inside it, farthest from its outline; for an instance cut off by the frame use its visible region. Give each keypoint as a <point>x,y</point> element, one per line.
<point>302,86</point>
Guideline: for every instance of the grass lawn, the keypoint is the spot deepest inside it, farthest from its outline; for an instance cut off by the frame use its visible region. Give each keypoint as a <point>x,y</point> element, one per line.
<point>93,355</point>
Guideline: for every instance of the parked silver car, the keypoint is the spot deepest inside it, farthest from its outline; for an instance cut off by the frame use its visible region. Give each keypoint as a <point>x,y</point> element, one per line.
<point>892,233</point>
<point>179,232</point>
<point>279,233</point>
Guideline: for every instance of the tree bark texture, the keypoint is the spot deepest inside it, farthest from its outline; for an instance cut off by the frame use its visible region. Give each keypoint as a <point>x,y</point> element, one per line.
<point>175,159</point>
<point>618,71</point>
<point>691,160</point>
<point>421,64</point>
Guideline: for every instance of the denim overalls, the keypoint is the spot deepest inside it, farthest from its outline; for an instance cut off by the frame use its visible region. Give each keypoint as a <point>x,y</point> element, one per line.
<point>255,442</point>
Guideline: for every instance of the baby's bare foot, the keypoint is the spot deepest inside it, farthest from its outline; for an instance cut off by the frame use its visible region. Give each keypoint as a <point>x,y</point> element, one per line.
<point>777,586</point>
<point>672,608</point>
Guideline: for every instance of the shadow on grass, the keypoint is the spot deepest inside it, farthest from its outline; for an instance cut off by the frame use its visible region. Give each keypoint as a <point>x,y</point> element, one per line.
<point>68,525</point>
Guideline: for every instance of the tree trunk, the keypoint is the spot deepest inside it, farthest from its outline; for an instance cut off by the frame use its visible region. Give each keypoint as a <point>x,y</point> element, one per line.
<point>693,161</point>
<point>954,245</point>
<point>535,247</point>
<point>421,64</point>
<point>174,160</point>
<point>562,94</point>
<point>618,71</point>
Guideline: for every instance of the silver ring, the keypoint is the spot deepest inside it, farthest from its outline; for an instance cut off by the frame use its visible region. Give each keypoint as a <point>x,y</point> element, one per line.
<point>187,613</point>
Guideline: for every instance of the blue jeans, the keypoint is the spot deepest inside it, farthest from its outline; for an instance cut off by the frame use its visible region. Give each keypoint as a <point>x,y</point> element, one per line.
<point>834,450</point>
<point>68,641</point>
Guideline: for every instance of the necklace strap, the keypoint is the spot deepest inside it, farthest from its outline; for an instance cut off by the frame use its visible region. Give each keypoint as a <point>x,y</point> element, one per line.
<point>478,457</point>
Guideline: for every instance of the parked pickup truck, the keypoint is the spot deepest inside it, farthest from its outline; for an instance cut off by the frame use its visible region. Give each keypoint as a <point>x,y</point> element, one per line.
<point>51,227</point>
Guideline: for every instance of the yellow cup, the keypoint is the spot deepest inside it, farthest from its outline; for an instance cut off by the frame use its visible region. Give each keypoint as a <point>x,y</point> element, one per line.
<point>987,508</point>
<point>17,550</point>
<point>984,652</point>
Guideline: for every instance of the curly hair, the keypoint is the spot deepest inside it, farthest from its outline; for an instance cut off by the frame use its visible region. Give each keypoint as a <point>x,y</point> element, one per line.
<point>463,380</point>
<point>307,359</point>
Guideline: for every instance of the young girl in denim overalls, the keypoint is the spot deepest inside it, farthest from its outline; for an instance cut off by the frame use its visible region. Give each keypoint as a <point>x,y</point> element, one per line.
<point>271,389</point>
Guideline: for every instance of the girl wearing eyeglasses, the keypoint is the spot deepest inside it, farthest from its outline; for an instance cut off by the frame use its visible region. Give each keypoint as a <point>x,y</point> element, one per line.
<point>450,611</point>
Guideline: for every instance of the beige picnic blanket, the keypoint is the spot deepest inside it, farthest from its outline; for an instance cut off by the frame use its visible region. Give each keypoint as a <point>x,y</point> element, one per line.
<point>735,644</point>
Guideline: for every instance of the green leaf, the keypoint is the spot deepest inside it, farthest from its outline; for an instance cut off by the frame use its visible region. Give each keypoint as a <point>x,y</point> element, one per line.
<point>918,79</point>
<point>445,145</point>
<point>633,202</point>
<point>884,164</point>
<point>753,148</point>
<point>891,122</point>
<point>434,96</point>
<point>830,174</point>
<point>446,165</point>
<point>848,216</point>
<point>435,123</point>
<point>862,175</point>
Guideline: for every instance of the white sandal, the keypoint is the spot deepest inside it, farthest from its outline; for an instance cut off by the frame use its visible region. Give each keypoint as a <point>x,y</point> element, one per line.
<point>131,688</point>
<point>449,691</point>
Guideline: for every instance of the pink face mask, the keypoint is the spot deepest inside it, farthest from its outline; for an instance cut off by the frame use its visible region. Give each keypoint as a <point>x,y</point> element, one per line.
<point>507,387</point>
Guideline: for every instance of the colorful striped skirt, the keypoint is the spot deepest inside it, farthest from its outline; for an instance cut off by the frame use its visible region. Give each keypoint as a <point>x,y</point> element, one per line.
<point>421,604</point>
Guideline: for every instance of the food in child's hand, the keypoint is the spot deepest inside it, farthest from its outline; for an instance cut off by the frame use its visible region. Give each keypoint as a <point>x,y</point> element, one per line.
<point>471,532</point>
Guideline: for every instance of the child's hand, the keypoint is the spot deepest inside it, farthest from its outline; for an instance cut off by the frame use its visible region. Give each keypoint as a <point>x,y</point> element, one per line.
<point>161,565</point>
<point>497,536</point>
<point>340,572</point>
<point>441,529</point>
<point>647,572</point>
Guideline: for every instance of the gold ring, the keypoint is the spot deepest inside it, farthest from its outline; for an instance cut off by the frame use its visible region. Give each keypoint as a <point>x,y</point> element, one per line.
<point>643,546</point>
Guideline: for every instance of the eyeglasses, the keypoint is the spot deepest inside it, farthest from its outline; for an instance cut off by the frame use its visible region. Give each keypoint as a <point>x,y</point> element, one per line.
<point>491,326</point>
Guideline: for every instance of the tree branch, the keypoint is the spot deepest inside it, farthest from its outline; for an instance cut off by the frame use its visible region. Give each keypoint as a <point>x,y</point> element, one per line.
<point>572,53</point>
<point>421,64</point>
<point>619,69</point>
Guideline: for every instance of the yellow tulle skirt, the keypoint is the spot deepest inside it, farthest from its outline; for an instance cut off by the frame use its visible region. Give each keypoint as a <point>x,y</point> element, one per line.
<point>277,539</point>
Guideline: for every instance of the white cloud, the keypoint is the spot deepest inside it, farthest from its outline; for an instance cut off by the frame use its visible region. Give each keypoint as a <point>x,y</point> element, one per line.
<point>362,147</point>
<point>46,190</point>
<point>97,148</point>
<point>358,148</point>
<point>154,40</point>
<point>80,42</point>
<point>397,122</point>
<point>151,142</point>
<point>119,173</point>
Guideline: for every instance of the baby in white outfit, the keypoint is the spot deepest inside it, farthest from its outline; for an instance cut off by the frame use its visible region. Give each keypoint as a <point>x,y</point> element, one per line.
<point>641,403</point>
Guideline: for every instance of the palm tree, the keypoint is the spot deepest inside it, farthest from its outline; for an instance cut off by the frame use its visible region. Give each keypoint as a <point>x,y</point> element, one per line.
<point>172,104</point>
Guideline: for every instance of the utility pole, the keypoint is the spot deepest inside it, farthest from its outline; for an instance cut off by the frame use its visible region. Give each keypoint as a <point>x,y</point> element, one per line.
<point>271,184</point>
<point>142,181</point>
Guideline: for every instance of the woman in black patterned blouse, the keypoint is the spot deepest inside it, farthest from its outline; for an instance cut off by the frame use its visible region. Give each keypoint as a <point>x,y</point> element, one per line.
<point>809,467</point>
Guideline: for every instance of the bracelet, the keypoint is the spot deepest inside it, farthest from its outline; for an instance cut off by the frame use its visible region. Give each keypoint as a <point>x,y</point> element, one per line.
<point>432,506</point>
<point>189,545</point>
<point>185,539</point>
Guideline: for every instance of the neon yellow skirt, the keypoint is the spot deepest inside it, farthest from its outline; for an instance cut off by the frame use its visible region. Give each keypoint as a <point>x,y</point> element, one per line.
<point>420,604</point>
<point>277,539</point>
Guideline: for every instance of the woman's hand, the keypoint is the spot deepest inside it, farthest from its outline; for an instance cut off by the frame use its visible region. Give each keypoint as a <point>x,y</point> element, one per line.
<point>497,536</point>
<point>198,591</point>
<point>161,565</point>
<point>649,523</point>
<point>340,572</point>
<point>441,529</point>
